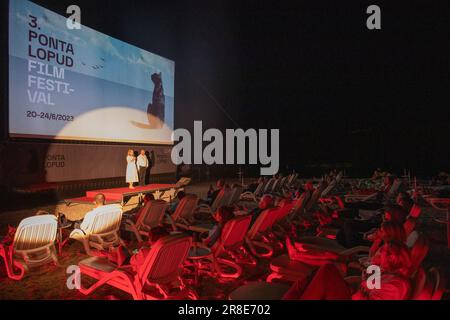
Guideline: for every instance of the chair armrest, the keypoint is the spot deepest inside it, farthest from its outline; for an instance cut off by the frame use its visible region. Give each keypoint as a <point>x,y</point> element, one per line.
<point>78,234</point>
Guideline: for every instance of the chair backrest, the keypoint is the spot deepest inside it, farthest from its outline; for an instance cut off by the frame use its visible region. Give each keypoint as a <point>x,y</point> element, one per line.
<point>107,219</point>
<point>264,222</point>
<point>269,185</point>
<point>235,195</point>
<point>35,232</point>
<point>299,205</point>
<point>392,193</point>
<point>259,188</point>
<point>339,177</point>
<point>419,250</point>
<point>292,179</point>
<point>233,233</point>
<point>164,261</point>
<point>185,209</point>
<point>275,185</point>
<point>283,182</point>
<point>439,284</point>
<point>313,199</point>
<point>152,215</point>
<point>221,199</point>
<point>328,189</point>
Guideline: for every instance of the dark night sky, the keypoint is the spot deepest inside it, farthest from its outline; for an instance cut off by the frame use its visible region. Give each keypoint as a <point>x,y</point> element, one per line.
<point>337,91</point>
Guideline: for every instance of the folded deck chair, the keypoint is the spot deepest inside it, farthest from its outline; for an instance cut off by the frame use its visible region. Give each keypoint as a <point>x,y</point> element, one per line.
<point>151,216</point>
<point>33,245</point>
<point>184,181</point>
<point>100,228</point>
<point>159,277</point>
<point>261,227</point>
<point>291,180</point>
<point>229,252</point>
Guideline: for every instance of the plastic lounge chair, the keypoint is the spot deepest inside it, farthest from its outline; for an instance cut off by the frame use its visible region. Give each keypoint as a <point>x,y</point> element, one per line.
<point>157,278</point>
<point>151,217</point>
<point>184,213</point>
<point>261,227</point>
<point>102,231</point>
<point>33,245</point>
<point>229,252</point>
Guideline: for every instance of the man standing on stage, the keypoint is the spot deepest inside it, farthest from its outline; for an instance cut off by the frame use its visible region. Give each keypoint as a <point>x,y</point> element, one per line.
<point>142,162</point>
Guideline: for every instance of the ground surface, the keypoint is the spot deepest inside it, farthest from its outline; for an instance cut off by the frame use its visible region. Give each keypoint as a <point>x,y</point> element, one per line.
<point>49,282</point>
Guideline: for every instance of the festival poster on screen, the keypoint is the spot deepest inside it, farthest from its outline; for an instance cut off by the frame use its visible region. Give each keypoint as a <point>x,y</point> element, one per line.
<point>82,84</point>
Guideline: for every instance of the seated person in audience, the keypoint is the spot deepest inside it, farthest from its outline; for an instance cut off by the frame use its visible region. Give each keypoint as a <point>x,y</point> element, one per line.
<point>328,282</point>
<point>252,187</point>
<point>395,213</point>
<point>389,231</point>
<point>212,193</point>
<point>173,206</point>
<point>221,216</point>
<point>265,202</point>
<point>99,201</point>
<point>404,201</point>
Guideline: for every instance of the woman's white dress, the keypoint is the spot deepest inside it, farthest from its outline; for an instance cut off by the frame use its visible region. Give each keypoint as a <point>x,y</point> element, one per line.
<point>132,174</point>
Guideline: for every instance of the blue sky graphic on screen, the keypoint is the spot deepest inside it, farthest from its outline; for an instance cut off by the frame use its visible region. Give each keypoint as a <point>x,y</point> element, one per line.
<point>82,84</point>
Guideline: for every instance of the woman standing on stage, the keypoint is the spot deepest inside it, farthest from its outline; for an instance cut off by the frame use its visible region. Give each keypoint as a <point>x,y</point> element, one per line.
<point>132,174</point>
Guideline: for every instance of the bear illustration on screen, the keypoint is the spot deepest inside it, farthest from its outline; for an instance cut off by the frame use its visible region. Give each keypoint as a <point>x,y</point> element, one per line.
<point>155,109</point>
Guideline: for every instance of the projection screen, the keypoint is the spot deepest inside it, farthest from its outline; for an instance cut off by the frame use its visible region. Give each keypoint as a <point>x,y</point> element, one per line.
<point>82,84</point>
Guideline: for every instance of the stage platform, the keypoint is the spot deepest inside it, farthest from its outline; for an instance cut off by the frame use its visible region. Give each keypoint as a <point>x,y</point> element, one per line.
<point>120,195</point>
<point>76,208</point>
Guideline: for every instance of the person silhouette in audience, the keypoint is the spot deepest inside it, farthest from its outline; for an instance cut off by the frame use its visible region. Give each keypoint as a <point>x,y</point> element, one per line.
<point>221,216</point>
<point>99,201</point>
<point>328,282</point>
<point>265,202</point>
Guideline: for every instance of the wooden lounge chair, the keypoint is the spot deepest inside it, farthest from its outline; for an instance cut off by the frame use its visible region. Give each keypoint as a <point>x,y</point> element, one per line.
<point>102,230</point>
<point>159,277</point>
<point>33,245</point>
<point>151,217</point>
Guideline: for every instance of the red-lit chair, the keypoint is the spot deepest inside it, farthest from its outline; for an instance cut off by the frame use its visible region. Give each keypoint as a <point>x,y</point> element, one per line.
<point>33,245</point>
<point>184,213</point>
<point>159,277</point>
<point>257,237</point>
<point>228,253</point>
<point>151,216</point>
